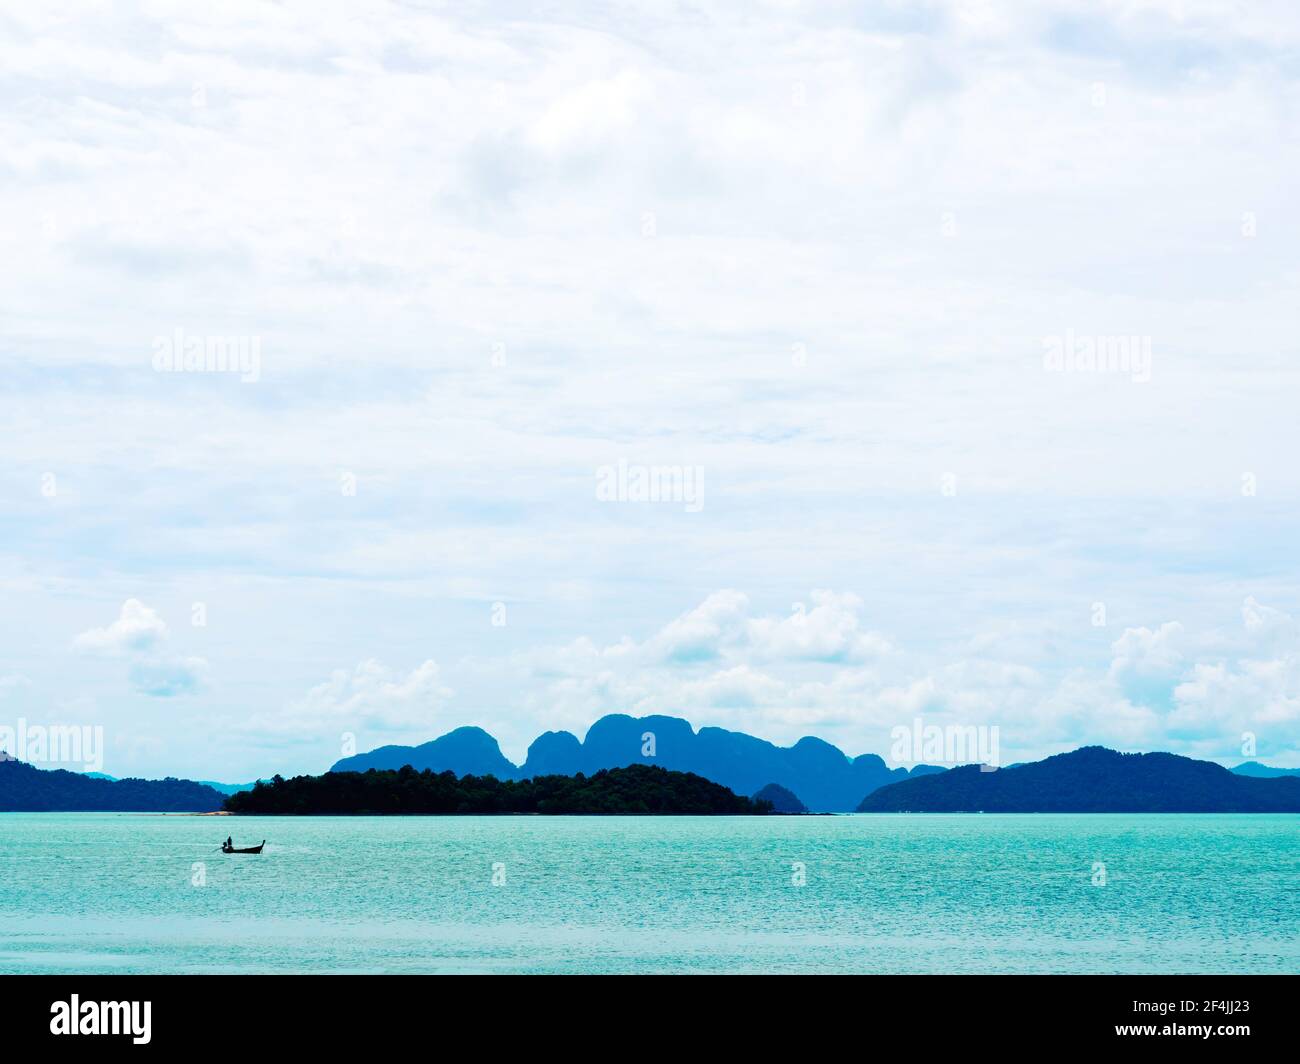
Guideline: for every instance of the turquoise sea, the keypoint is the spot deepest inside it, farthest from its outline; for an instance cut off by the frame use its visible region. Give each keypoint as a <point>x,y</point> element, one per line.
<point>104,892</point>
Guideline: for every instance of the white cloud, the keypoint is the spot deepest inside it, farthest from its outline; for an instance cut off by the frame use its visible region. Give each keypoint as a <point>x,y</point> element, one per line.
<point>138,629</point>
<point>1268,629</point>
<point>1147,661</point>
<point>168,677</point>
<point>737,687</point>
<point>760,673</point>
<point>829,631</point>
<point>139,634</point>
<point>370,698</point>
<point>705,632</point>
<point>724,626</point>
<point>1256,693</point>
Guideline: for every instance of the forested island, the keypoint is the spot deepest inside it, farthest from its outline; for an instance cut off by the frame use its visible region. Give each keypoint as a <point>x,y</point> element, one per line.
<point>636,790</point>
<point>782,798</point>
<point>1091,779</point>
<point>26,789</point>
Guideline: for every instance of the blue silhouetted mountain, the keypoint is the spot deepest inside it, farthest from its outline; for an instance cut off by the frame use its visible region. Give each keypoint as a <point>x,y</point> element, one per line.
<point>554,753</point>
<point>783,800</point>
<point>465,751</point>
<point>227,788</point>
<point>819,773</point>
<point>224,788</point>
<point>1091,780</point>
<point>1264,772</point>
<point>823,777</point>
<point>26,789</point>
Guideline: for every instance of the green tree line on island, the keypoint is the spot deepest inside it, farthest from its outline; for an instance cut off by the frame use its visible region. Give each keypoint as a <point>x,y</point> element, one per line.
<point>636,790</point>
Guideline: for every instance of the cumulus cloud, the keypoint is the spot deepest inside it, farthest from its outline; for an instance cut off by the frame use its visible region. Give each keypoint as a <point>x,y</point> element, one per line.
<point>723,663</point>
<point>138,629</point>
<point>830,631</point>
<point>371,697</point>
<point>725,625</point>
<point>705,632</point>
<point>737,687</point>
<point>139,635</point>
<point>1268,629</point>
<point>376,695</point>
<point>168,677</point>
<point>1147,661</point>
<point>1254,695</point>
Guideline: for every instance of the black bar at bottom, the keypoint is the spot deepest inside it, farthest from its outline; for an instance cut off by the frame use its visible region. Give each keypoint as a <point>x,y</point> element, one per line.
<point>651,1014</point>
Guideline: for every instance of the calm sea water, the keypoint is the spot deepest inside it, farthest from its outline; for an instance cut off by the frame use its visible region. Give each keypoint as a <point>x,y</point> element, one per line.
<point>117,893</point>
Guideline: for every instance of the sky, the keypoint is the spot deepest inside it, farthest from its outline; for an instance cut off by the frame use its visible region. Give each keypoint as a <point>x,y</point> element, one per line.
<point>793,368</point>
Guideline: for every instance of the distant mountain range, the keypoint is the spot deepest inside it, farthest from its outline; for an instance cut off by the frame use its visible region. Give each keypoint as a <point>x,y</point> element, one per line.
<point>1266,772</point>
<point>811,774</point>
<point>25,789</point>
<point>1091,780</point>
<point>821,775</point>
<point>224,788</point>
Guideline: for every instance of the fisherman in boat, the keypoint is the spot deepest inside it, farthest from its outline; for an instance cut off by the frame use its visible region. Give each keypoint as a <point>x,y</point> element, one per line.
<point>228,845</point>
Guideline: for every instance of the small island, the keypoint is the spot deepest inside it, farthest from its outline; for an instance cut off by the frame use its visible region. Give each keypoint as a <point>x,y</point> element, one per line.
<point>635,790</point>
<point>783,799</point>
